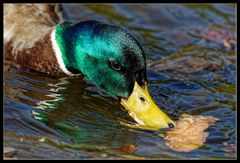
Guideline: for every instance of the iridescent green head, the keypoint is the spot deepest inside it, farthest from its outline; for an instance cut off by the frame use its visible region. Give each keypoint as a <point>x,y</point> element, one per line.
<point>108,55</point>
<point>114,61</point>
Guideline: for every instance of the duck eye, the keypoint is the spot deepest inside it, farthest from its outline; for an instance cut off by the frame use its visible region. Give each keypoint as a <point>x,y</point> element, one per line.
<point>115,65</point>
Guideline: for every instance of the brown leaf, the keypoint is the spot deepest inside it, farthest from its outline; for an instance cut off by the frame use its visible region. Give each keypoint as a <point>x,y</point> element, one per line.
<point>129,149</point>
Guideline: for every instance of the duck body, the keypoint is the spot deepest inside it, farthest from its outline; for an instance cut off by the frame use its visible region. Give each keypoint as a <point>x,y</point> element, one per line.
<point>27,41</point>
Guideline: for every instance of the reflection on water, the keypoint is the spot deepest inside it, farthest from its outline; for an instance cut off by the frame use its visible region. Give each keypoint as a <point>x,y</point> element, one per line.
<point>69,117</point>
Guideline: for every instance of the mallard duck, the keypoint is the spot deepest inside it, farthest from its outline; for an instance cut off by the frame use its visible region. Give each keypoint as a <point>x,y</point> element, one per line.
<point>37,38</point>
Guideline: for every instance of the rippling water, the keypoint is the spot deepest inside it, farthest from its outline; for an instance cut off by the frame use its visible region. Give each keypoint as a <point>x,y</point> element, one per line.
<point>68,117</point>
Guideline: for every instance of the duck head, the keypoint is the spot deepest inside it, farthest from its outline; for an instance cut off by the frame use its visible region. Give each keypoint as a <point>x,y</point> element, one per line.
<point>114,61</point>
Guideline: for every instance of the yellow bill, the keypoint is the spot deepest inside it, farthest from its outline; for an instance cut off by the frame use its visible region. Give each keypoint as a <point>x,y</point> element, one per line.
<point>144,111</point>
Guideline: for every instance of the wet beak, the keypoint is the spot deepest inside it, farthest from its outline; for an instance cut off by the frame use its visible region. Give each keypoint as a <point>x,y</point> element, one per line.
<point>144,111</point>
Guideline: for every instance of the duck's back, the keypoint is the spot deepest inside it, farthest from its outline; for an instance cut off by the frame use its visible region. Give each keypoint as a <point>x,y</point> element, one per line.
<point>27,29</point>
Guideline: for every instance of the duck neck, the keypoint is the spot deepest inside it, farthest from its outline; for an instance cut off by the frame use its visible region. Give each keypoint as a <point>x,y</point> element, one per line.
<point>63,45</point>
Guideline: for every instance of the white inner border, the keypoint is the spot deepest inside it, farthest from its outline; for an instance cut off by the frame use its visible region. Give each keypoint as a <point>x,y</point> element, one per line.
<point>58,54</point>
